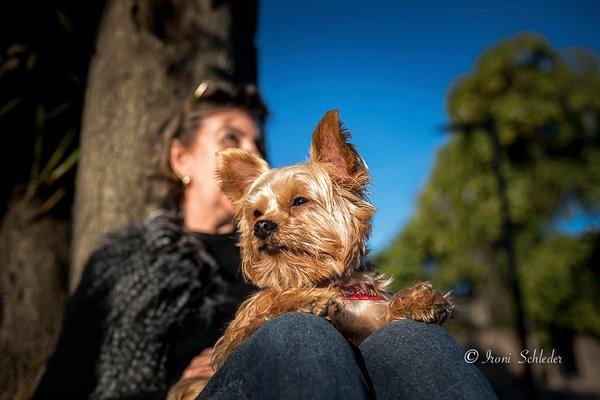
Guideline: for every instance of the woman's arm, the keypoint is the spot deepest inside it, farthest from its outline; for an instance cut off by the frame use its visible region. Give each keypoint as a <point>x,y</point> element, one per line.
<point>70,372</point>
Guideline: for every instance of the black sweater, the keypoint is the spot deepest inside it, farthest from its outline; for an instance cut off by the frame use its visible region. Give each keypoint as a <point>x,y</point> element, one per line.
<point>72,372</point>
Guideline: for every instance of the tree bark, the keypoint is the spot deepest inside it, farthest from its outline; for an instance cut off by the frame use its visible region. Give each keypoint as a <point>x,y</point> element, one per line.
<point>33,266</point>
<point>150,54</point>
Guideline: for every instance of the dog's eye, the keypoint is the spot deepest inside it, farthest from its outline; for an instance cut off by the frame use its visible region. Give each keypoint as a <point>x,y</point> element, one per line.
<point>298,201</point>
<point>257,214</point>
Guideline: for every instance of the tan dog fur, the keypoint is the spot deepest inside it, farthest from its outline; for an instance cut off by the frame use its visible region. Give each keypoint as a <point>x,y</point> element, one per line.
<point>314,256</point>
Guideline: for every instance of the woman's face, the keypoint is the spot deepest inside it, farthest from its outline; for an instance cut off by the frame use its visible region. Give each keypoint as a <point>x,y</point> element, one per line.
<point>218,131</point>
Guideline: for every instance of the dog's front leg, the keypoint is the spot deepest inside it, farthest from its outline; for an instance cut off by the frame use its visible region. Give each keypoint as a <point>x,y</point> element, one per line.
<point>323,302</point>
<point>420,303</point>
<point>268,304</point>
<point>251,314</point>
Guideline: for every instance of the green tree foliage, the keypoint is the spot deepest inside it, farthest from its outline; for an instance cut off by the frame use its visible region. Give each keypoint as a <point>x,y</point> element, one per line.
<point>44,57</point>
<point>544,108</point>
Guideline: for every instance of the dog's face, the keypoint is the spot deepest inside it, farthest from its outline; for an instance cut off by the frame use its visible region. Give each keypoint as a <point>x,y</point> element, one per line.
<point>305,224</point>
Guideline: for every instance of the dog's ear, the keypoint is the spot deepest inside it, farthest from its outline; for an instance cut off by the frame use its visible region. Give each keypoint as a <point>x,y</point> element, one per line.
<point>237,169</point>
<point>330,145</point>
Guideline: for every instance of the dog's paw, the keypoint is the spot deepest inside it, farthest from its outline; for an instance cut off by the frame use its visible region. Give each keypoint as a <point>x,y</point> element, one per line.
<point>421,303</point>
<point>326,308</point>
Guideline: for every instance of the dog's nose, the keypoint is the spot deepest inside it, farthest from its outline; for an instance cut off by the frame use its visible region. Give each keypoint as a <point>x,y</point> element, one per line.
<point>264,228</point>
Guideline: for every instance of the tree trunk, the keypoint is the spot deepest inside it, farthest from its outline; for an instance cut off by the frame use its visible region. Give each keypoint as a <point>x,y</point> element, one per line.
<point>150,53</point>
<point>33,266</point>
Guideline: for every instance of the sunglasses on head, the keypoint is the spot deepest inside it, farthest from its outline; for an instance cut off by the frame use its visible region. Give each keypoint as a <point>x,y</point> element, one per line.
<point>246,95</point>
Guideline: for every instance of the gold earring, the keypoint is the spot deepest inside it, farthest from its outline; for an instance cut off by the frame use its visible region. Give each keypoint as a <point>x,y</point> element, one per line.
<point>186,180</point>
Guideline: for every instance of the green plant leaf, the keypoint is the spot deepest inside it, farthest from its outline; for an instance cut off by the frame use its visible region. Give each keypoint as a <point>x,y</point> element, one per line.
<point>9,106</point>
<point>57,155</point>
<point>65,166</point>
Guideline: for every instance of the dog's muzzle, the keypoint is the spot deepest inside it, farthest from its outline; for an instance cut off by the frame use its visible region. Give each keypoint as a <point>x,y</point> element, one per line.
<point>264,228</point>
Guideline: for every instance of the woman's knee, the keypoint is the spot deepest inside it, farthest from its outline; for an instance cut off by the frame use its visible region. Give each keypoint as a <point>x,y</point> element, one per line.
<point>417,357</point>
<point>410,334</point>
<point>295,332</point>
<point>296,348</point>
<point>408,344</point>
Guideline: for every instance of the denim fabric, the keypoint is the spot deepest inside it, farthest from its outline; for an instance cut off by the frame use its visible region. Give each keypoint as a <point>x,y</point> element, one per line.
<point>302,356</point>
<point>414,360</point>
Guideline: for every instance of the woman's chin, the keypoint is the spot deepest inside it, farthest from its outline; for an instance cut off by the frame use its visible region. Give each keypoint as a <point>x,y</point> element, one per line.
<point>226,205</point>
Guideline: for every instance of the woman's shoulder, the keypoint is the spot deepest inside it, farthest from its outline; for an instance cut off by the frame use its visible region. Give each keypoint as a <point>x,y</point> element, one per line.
<point>160,241</point>
<point>131,247</point>
<point>118,245</point>
<point>153,231</point>
<point>114,250</point>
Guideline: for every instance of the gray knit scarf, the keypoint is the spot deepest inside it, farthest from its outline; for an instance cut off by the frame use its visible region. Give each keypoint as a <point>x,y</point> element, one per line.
<point>155,272</point>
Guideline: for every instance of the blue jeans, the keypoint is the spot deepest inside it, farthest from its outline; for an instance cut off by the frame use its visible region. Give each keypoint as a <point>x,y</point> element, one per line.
<point>302,356</point>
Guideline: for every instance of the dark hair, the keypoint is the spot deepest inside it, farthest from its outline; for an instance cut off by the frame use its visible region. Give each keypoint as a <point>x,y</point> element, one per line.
<point>183,124</point>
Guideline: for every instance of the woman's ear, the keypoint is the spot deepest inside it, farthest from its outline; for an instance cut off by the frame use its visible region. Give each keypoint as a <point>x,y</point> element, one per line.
<point>178,158</point>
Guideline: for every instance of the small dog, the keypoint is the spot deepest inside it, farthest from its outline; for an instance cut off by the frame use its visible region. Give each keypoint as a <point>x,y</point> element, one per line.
<point>303,234</point>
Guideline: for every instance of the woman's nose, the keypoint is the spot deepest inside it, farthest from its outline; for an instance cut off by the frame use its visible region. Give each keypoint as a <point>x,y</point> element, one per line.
<point>253,149</point>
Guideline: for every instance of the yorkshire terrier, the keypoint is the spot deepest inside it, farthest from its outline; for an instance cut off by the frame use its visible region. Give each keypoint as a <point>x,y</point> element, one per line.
<point>303,237</point>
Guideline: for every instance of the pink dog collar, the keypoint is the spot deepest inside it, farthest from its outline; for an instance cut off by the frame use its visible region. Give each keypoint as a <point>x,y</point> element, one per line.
<point>356,292</point>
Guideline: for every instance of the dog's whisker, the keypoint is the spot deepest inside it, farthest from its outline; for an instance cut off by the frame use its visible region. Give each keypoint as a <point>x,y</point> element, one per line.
<point>306,248</point>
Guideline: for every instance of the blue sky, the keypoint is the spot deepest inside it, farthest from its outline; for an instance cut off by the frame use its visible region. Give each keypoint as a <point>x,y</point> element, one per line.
<point>387,65</point>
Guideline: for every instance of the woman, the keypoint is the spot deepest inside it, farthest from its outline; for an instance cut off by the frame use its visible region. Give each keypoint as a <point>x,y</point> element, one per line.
<point>155,298</point>
<point>158,293</point>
